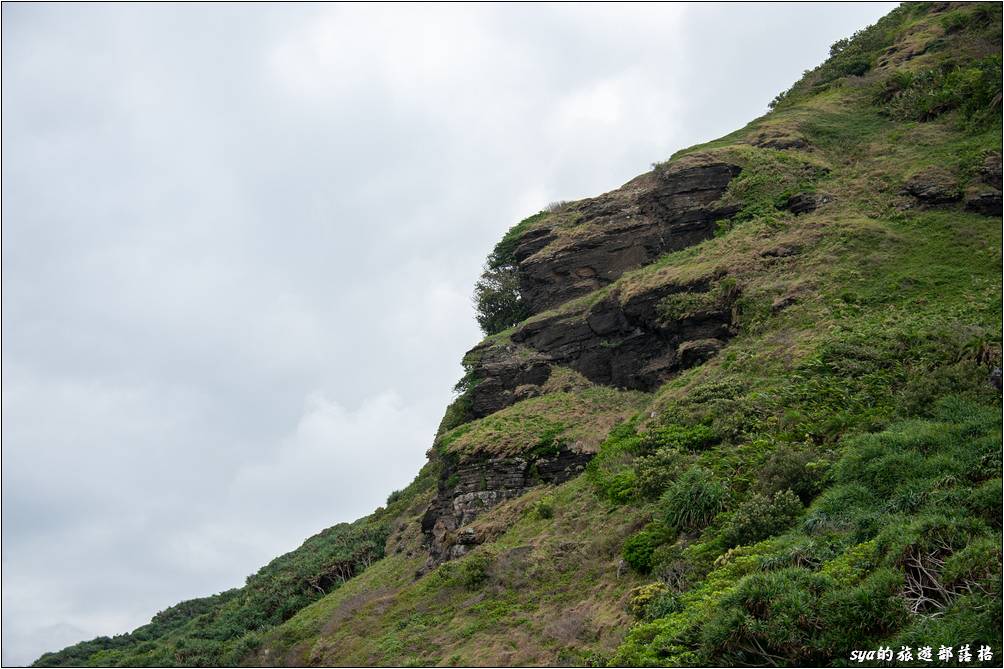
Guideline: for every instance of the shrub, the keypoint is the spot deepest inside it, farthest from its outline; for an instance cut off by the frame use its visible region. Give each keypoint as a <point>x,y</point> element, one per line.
<point>693,500</point>
<point>652,601</point>
<point>472,572</point>
<point>457,413</point>
<point>621,487</point>
<point>654,473</point>
<point>797,617</point>
<point>669,564</point>
<point>663,604</point>
<point>638,551</point>
<point>760,517</point>
<point>975,564</point>
<point>767,617</point>
<point>610,470</point>
<point>692,438</point>
<point>643,595</point>
<point>788,469</point>
<point>855,68</point>
<point>544,510</point>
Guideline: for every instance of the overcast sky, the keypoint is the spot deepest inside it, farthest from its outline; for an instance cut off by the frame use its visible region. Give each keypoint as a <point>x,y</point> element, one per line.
<point>239,243</point>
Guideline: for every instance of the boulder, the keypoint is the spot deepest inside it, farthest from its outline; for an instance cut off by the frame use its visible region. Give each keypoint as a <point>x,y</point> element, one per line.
<point>986,202</point>
<point>779,140</point>
<point>803,203</point>
<point>933,186</point>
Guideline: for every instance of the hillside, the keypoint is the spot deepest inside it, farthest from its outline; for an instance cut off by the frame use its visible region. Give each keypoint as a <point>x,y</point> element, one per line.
<point>742,410</point>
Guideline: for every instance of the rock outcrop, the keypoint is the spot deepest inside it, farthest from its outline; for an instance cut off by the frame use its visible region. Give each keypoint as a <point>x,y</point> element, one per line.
<point>803,203</point>
<point>986,202</point>
<point>634,342</point>
<point>991,172</point>
<point>780,140</point>
<point>668,209</point>
<point>985,196</point>
<point>504,376</point>
<point>474,485</point>
<point>933,186</point>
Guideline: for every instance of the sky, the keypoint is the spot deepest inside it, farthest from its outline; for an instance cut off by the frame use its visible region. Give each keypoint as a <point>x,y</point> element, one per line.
<point>239,245</point>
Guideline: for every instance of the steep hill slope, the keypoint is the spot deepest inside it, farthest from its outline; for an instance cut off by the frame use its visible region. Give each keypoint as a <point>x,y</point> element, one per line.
<point>743,410</point>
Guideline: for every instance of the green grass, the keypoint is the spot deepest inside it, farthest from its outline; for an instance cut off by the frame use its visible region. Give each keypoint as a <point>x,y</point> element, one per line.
<point>581,417</point>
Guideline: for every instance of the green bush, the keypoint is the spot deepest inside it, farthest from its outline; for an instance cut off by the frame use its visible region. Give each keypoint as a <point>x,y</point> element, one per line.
<point>693,500</point>
<point>760,517</point>
<point>472,572</point>
<point>497,299</point>
<point>663,604</point>
<point>679,437</point>
<point>670,565</point>
<point>642,596</point>
<point>974,565</point>
<point>655,472</point>
<point>795,470</point>
<point>652,601</point>
<point>457,413</point>
<point>638,550</point>
<point>544,510</point>
<point>797,617</point>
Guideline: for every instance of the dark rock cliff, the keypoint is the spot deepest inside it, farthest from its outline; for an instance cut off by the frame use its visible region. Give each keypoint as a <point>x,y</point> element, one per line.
<point>635,343</point>
<point>665,210</point>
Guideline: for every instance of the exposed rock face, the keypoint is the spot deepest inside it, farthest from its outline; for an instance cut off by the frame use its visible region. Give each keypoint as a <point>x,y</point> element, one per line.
<point>984,200</point>
<point>933,186</point>
<point>803,203</point>
<point>987,202</point>
<point>630,344</point>
<point>472,486</point>
<point>780,140</point>
<point>665,210</point>
<point>505,377</point>
<point>627,343</point>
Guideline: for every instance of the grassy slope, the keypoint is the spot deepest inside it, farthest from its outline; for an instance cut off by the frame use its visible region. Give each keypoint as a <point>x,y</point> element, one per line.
<point>858,381</point>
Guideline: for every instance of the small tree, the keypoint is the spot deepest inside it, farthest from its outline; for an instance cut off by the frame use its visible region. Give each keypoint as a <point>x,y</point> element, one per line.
<point>497,299</point>
<point>496,294</point>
